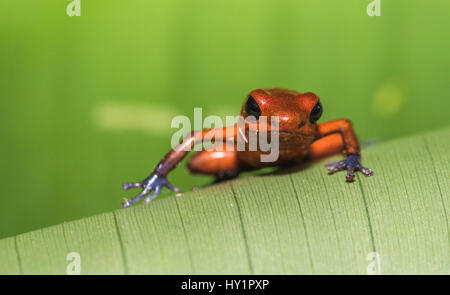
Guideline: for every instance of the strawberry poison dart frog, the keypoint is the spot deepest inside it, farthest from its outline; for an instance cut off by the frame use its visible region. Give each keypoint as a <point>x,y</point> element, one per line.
<point>300,138</point>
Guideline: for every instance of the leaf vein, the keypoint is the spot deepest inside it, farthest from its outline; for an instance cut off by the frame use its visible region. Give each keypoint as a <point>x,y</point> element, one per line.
<point>244,235</point>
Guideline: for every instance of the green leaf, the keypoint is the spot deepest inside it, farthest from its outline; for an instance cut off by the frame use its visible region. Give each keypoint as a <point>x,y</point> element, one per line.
<point>301,222</point>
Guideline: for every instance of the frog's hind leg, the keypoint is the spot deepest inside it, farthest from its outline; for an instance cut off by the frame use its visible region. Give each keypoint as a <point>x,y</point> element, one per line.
<point>223,165</point>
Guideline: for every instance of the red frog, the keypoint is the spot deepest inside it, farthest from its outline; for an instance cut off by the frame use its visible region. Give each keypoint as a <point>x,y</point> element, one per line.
<point>300,139</point>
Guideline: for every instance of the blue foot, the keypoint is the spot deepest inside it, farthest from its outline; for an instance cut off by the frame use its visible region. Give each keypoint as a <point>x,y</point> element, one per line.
<point>351,164</point>
<point>152,184</point>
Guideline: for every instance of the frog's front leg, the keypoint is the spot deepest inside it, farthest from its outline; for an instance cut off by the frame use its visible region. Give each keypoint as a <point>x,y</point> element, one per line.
<point>158,178</point>
<point>351,164</point>
<point>338,136</point>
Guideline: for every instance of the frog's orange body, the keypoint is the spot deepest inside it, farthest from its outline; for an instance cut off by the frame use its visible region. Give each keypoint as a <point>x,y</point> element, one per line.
<point>300,139</point>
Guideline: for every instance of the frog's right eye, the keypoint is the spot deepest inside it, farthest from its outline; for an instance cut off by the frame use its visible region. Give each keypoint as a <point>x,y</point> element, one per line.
<point>316,112</point>
<point>252,108</point>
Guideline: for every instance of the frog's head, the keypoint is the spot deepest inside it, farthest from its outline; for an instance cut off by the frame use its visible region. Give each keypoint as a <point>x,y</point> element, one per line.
<point>297,112</point>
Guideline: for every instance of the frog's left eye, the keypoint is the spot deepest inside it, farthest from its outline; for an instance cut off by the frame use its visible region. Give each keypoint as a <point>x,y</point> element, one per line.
<point>316,113</point>
<point>252,108</point>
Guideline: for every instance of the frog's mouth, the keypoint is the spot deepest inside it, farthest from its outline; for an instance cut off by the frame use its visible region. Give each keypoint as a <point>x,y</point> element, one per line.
<point>296,133</point>
<point>286,134</point>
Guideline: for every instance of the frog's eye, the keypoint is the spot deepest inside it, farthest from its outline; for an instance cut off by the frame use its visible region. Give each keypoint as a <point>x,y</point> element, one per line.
<point>316,113</point>
<point>252,108</point>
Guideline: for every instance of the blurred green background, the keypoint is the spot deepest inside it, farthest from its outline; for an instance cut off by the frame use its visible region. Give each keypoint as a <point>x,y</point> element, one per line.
<point>87,102</point>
